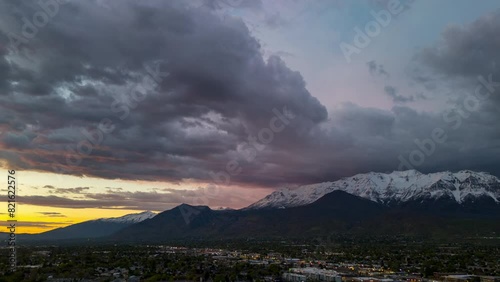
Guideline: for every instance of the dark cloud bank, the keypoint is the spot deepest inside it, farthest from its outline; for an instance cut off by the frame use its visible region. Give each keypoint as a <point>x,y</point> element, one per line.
<point>156,199</point>
<point>168,92</point>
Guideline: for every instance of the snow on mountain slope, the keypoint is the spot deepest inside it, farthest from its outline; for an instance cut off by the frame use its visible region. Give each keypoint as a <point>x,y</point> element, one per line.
<point>224,209</point>
<point>398,186</point>
<point>131,218</point>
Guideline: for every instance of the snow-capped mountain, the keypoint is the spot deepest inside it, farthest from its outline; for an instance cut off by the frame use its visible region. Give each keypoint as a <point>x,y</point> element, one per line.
<point>224,209</point>
<point>398,186</point>
<point>131,218</point>
<point>91,229</point>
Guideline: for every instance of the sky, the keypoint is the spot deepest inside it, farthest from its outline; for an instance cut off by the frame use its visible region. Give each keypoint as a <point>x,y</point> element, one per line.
<point>116,107</point>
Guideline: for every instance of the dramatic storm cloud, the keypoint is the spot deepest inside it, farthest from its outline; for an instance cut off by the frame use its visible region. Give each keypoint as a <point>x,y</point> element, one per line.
<point>179,90</point>
<point>158,90</point>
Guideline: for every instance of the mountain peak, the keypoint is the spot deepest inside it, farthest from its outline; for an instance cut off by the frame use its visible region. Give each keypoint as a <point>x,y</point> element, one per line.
<point>184,205</point>
<point>131,218</point>
<point>394,187</point>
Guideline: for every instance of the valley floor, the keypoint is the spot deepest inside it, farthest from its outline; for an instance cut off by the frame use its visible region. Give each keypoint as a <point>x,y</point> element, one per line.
<point>328,259</point>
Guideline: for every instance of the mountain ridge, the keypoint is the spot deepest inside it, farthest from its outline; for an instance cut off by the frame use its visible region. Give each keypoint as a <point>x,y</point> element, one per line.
<point>130,218</point>
<point>402,202</point>
<point>390,188</point>
<point>90,229</point>
<point>337,212</point>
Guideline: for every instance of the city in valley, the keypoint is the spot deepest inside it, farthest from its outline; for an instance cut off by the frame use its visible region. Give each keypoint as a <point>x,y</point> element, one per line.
<point>323,259</point>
